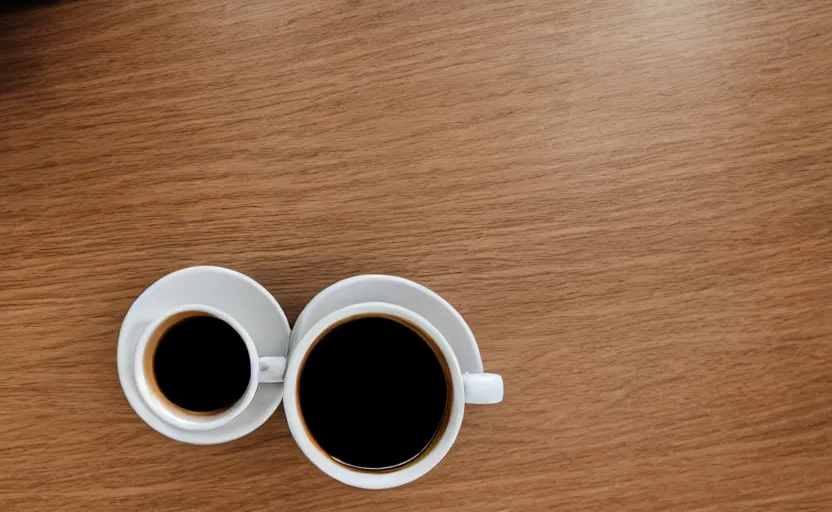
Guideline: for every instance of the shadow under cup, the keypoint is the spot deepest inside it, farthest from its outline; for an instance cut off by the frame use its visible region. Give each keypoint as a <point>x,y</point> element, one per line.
<point>374,393</point>
<point>197,364</point>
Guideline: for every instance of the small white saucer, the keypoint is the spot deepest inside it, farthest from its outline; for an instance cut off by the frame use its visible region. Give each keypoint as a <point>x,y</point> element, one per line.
<point>239,296</point>
<point>400,292</point>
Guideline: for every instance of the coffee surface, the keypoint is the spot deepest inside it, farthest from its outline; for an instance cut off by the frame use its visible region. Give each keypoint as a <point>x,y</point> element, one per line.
<point>202,365</point>
<point>373,393</point>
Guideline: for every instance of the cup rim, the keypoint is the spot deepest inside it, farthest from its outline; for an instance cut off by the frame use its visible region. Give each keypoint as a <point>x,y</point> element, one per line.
<point>180,418</point>
<point>369,479</point>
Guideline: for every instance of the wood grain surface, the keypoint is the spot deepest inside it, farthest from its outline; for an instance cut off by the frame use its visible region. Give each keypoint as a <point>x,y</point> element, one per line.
<point>629,201</point>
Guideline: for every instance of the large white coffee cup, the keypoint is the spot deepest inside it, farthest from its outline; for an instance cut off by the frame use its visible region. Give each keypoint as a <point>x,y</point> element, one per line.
<point>263,369</point>
<point>482,388</point>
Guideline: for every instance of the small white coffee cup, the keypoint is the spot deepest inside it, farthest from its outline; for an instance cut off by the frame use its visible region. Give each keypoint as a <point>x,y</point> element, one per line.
<point>263,369</point>
<point>484,388</point>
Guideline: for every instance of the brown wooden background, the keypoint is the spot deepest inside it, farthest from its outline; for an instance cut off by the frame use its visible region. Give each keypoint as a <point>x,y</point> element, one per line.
<point>629,201</point>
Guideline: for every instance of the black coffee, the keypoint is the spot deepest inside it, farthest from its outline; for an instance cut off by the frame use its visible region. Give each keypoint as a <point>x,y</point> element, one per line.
<point>202,365</point>
<point>373,393</point>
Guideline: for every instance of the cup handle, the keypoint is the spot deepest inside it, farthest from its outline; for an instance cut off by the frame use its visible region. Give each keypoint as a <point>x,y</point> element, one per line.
<point>482,388</point>
<point>272,369</point>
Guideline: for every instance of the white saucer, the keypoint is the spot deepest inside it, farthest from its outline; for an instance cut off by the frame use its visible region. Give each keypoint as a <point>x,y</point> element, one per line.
<point>239,296</point>
<point>400,292</point>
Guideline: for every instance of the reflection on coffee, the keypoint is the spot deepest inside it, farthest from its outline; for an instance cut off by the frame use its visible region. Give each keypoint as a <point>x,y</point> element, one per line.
<point>201,364</point>
<point>373,393</point>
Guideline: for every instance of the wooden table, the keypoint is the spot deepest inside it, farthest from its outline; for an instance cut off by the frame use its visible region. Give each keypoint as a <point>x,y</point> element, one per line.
<point>630,202</point>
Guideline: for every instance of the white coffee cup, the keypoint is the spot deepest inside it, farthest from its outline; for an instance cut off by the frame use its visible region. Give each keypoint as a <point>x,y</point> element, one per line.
<point>483,388</point>
<point>263,369</point>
